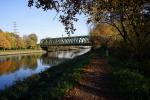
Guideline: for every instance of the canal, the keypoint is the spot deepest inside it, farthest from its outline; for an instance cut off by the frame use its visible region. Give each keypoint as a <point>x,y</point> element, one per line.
<point>18,67</point>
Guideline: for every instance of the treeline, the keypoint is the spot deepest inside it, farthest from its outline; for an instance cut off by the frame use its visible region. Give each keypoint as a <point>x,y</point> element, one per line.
<point>12,41</point>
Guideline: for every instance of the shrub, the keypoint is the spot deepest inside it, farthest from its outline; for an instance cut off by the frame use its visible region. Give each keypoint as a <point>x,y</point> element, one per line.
<point>132,85</point>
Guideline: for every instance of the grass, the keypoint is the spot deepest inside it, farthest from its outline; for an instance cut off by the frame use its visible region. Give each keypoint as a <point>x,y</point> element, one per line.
<point>50,84</point>
<point>130,78</point>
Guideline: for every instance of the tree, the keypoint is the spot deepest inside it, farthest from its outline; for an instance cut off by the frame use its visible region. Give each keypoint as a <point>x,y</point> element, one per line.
<point>20,43</point>
<point>105,32</point>
<point>11,39</point>
<point>93,8</point>
<point>33,37</point>
<point>129,17</point>
<point>4,43</point>
<point>31,41</point>
<point>30,44</point>
<point>15,40</point>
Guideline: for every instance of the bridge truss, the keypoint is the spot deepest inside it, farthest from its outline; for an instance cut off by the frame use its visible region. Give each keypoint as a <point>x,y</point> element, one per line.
<point>66,41</point>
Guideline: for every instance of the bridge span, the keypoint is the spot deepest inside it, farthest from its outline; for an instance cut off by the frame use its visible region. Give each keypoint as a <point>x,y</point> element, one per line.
<point>64,43</point>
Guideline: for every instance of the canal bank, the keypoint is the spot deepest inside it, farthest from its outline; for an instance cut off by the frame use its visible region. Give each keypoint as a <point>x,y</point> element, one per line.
<point>17,52</point>
<point>50,84</point>
<point>74,79</point>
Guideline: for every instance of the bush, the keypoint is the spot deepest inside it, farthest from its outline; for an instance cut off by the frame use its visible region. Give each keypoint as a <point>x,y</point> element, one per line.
<point>132,85</point>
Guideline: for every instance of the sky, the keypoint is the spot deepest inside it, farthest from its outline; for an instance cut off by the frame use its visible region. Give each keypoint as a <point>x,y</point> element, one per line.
<point>32,20</point>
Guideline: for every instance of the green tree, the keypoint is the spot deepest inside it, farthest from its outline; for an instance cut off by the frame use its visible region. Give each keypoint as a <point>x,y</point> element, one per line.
<point>30,44</point>
<point>33,37</point>
<point>14,40</point>
<point>20,43</point>
<point>31,41</point>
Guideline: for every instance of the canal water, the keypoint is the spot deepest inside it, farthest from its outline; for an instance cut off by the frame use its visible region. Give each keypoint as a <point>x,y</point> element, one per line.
<point>19,67</point>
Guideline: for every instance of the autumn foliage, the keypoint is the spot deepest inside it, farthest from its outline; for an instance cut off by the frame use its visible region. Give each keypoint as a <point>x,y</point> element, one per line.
<point>13,41</point>
<point>4,43</point>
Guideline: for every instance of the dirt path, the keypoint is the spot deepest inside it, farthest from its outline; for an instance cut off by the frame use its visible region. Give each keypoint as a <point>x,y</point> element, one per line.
<point>95,83</point>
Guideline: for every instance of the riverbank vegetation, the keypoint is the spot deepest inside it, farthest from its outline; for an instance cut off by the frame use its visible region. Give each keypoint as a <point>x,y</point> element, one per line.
<point>12,41</point>
<point>50,84</point>
<point>130,66</point>
<point>131,77</point>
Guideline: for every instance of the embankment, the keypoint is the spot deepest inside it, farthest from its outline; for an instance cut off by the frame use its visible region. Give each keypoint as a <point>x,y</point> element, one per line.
<point>17,52</point>
<point>50,84</point>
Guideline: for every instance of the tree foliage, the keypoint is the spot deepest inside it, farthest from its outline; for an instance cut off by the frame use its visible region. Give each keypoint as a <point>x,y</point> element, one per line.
<point>31,41</point>
<point>13,41</point>
<point>33,37</point>
<point>4,43</point>
<point>105,31</point>
<point>129,17</point>
<point>95,9</point>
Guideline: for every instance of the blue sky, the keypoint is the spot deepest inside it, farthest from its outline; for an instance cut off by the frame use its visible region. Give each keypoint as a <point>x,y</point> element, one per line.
<point>33,20</point>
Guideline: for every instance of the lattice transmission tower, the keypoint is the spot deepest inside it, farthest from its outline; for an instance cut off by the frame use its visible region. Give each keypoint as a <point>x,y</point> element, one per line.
<point>15,30</point>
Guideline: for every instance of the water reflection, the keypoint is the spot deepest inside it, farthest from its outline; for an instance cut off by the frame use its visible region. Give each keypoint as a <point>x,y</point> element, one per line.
<point>10,64</point>
<point>18,67</point>
<point>47,60</point>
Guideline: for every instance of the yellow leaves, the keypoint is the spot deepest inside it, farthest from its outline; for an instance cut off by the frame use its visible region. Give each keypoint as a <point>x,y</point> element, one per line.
<point>105,31</point>
<point>102,29</point>
<point>13,41</point>
<point>4,43</point>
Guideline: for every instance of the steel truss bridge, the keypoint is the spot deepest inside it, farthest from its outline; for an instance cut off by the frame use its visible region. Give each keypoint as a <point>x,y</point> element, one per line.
<point>63,42</point>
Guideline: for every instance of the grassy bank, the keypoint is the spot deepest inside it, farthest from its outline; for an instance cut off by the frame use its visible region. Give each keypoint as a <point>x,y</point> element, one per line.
<point>16,52</point>
<point>50,84</point>
<point>131,77</point>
